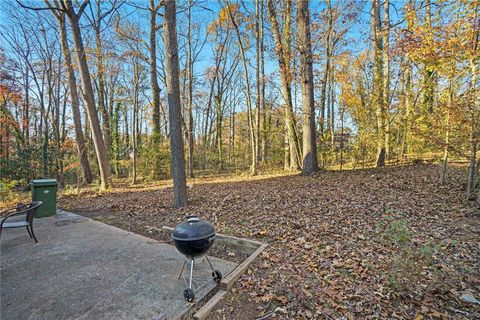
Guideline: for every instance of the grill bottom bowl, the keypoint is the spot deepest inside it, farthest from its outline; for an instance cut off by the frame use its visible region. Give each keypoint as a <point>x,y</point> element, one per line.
<point>193,248</point>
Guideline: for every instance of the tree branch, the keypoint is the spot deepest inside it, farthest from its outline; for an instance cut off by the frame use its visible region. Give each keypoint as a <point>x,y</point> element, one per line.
<point>37,9</point>
<point>82,8</point>
<point>114,8</point>
<point>159,5</point>
<point>49,5</point>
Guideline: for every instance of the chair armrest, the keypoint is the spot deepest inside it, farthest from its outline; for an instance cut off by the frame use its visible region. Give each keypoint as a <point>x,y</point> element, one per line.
<point>28,209</point>
<point>14,213</point>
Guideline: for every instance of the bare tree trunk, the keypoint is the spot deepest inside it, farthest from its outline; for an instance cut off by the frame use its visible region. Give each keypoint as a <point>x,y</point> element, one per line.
<point>116,138</point>
<point>310,164</point>
<point>98,141</point>
<point>174,106</point>
<point>126,130</point>
<point>232,134</point>
<point>386,75</point>
<point>263,148</point>
<point>331,107</point>
<point>153,70</point>
<point>377,82</point>
<point>443,169</point>
<point>408,100</point>
<point>77,120</point>
<point>429,77</point>
<point>135,119</point>
<point>267,121</point>
<point>286,149</point>
<point>207,116</point>
<point>219,125</point>
<point>191,160</point>
<point>218,60</point>
<point>472,170</point>
<point>342,111</point>
<point>285,77</point>
<point>26,109</point>
<point>101,90</point>
<point>446,148</point>
<point>258,86</point>
<point>406,116</point>
<point>155,89</point>
<point>323,92</point>
<point>253,169</point>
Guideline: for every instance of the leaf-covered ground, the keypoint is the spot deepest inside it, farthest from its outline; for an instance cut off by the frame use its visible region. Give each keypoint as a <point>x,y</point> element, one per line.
<point>359,244</point>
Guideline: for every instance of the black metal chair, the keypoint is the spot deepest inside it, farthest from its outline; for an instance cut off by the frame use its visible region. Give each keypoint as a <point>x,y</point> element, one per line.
<point>28,210</point>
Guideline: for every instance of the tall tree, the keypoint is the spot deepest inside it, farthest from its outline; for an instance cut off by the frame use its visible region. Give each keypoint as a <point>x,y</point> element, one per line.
<point>407,97</point>
<point>155,89</point>
<point>72,83</point>
<point>446,146</point>
<point>265,113</point>
<point>190,137</point>
<point>253,168</point>
<point>328,54</point>
<point>429,76</point>
<point>89,98</point>
<point>310,164</point>
<point>258,82</point>
<point>135,82</point>
<point>473,57</point>
<point>174,106</point>
<point>378,98</point>
<point>98,14</point>
<point>386,75</point>
<point>283,57</point>
<point>222,35</point>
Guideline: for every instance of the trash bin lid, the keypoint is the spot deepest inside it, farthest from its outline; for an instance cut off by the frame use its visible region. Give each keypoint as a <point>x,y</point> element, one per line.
<point>44,182</point>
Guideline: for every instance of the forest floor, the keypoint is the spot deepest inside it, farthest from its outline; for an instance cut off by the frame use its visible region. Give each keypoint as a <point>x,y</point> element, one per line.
<point>388,243</point>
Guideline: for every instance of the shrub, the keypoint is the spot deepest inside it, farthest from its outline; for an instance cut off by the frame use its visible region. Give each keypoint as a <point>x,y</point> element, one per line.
<point>411,261</point>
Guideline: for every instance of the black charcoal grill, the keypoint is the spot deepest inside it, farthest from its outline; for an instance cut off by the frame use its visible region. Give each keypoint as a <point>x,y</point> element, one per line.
<point>193,238</point>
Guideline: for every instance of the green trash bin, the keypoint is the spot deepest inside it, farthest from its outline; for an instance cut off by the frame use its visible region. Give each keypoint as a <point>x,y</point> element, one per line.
<point>45,190</point>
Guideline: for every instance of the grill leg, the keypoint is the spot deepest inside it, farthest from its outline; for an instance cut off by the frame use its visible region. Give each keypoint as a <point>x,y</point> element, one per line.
<point>191,273</point>
<point>208,260</point>
<point>29,233</point>
<point>183,267</point>
<point>33,234</point>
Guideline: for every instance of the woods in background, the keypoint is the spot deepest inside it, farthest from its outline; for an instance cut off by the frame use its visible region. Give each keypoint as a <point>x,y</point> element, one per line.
<point>91,90</point>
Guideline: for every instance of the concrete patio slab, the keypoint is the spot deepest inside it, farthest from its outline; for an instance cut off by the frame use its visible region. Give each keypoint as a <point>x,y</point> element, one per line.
<point>83,269</point>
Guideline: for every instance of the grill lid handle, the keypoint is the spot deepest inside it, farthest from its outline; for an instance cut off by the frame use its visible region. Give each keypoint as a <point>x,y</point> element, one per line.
<point>193,219</point>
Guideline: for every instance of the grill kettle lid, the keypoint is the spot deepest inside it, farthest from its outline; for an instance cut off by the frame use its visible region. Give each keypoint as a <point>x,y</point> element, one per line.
<point>193,229</point>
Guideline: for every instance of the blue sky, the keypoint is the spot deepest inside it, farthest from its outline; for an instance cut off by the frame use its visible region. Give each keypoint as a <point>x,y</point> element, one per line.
<point>205,11</point>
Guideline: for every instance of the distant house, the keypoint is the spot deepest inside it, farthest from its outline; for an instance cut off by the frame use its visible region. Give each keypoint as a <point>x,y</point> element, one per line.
<point>342,140</point>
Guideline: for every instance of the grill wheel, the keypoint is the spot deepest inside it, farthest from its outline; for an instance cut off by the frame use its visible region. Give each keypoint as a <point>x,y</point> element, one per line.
<point>189,295</point>
<point>217,276</point>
